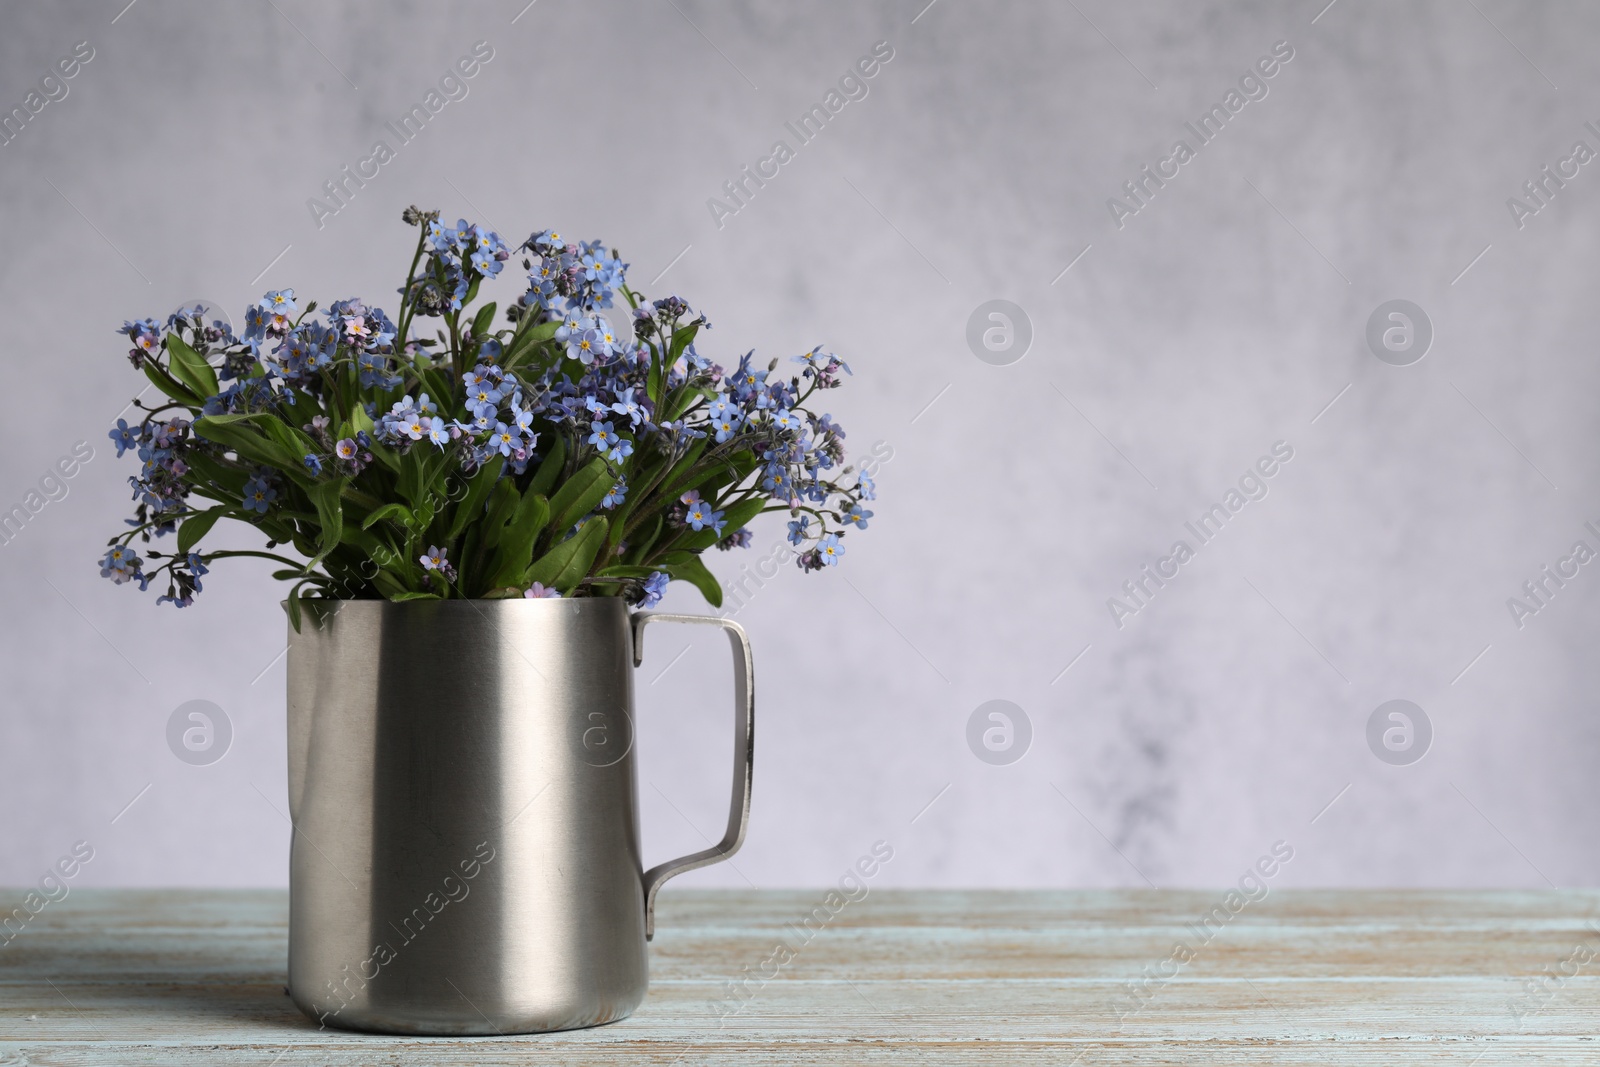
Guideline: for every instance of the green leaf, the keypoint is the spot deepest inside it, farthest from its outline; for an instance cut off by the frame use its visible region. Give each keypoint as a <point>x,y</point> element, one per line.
<point>226,430</point>
<point>672,485</point>
<point>414,596</point>
<point>740,514</point>
<point>437,383</point>
<point>385,455</point>
<point>169,385</point>
<point>234,420</point>
<point>410,483</point>
<point>581,495</point>
<point>652,386</point>
<point>359,420</point>
<point>742,463</point>
<point>621,570</point>
<point>681,339</point>
<point>516,543</point>
<point>197,526</point>
<point>647,539</point>
<point>544,479</point>
<point>423,518</point>
<point>564,566</point>
<point>191,367</point>
<point>206,469</point>
<point>388,511</point>
<point>715,478</point>
<point>292,441</point>
<point>330,513</point>
<point>679,402</point>
<point>278,444</point>
<point>483,320</point>
<point>503,504</point>
<point>294,604</point>
<point>375,548</point>
<point>478,490</point>
<point>390,586</point>
<point>693,571</point>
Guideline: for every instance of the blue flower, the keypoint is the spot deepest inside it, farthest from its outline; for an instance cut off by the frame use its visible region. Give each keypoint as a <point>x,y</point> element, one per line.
<point>743,537</point>
<point>626,405</point>
<point>258,494</point>
<point>439,431</point>
<point>616,495</point>
<point>829,550</point>
<point>856,516</point>
<point>543,241</point>
<point>255,322</point>
<point>484,262</point>
<point>197,566</point>
<point>313,464</point>
<point>484,396</point>
<point>125,436</point>
<point>573,322</point>
<point>489,241</point>
<point>411,423</point>
<point>621,450</point>
<point>504,440</point>
<point>866,486</point>
<point>700,516</point>
<point>798,528</point>
<point>603,436</point>
<point>586,344</point>
<point>654,587</point>
<point>747,382</point>
<point>279,302</point>
<point>727,425</point>
<point>121,564</point>
<point>823,366</point>
<point>596,266</point>
<point>375,371</point>
<point>434,559</point>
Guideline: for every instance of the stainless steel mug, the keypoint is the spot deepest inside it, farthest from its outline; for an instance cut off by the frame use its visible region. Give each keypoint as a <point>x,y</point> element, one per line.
<point>466,846</point>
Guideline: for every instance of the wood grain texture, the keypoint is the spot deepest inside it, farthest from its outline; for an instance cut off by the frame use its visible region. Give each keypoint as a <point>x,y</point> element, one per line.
<point>1327,977</point>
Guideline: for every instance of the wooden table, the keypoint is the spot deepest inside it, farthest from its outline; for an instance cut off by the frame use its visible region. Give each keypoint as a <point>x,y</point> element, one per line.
<point>196,977</point>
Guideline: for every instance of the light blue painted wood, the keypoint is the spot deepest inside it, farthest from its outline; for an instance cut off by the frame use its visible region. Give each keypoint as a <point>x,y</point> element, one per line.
<point>196,977</point>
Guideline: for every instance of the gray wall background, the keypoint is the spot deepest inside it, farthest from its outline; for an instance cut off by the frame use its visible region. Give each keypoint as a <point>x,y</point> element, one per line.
<point>1222,318</point>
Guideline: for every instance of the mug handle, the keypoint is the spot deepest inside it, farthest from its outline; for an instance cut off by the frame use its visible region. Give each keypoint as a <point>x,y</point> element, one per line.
<point>744,720</point>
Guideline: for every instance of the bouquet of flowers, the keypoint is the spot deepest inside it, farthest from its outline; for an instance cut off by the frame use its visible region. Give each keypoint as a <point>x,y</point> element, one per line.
<point>552,455</point>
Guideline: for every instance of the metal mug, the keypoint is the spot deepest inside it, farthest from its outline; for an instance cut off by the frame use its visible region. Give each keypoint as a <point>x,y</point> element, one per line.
<point>461,783</point>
